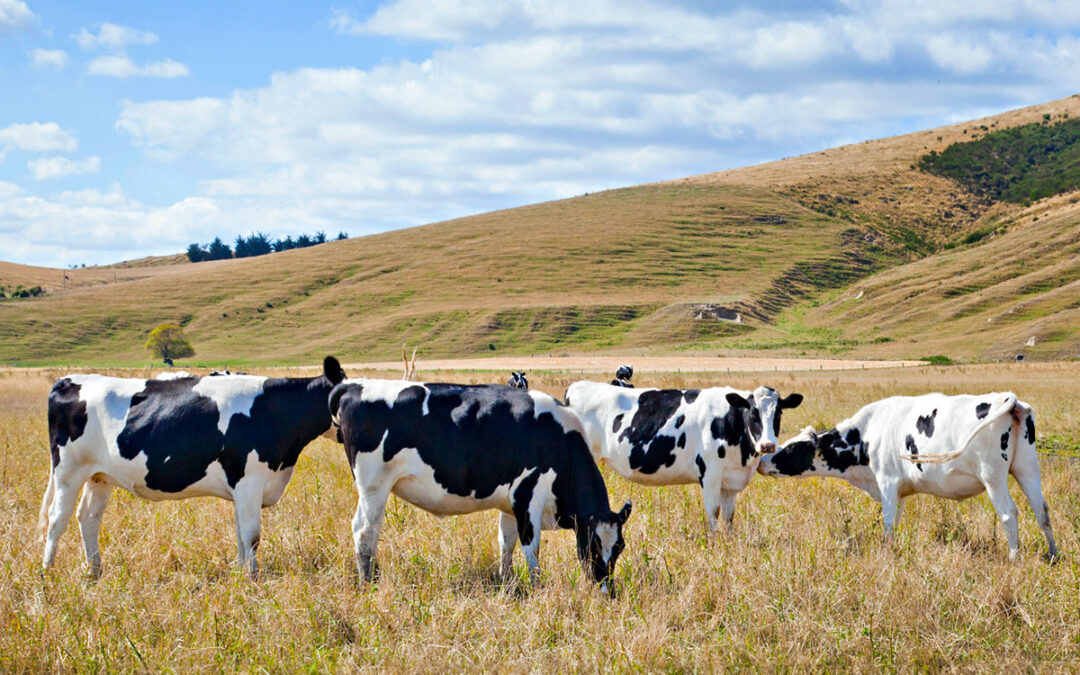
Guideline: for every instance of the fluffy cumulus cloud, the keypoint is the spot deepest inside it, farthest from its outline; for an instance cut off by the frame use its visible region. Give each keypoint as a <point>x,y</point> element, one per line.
<point>47,168</point>
<point>123,67</point>
<point>114,39</point>
<point>111,36</point>
<point>517,101</point>
<point>48,58</point>
<point>14,14</point>
<point>36,137</point>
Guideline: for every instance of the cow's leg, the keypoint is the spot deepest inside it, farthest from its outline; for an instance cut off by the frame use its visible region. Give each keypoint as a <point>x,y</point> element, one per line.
<point>46,502</point>
<point>1025,468</point>
<point>712,494</point>
<point>529,517</point>
<point>65,497</point>
<point>890,508</point>
<point>998,491</point>
<point>94,499</point>
<point>899,511</point>
<point>508,536</point>
<point>248,499</point>
<point>727,507</point>
<point>370,508</point>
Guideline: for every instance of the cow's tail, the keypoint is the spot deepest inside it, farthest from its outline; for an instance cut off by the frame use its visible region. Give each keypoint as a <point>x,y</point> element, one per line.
<point>46,503</point>
<point>1004,407</point>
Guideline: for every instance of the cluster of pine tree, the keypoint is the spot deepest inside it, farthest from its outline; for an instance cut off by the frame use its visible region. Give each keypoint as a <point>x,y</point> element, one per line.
<point>257,243</point>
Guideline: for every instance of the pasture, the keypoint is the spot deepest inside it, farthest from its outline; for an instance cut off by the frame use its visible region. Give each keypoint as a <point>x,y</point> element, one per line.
<point>804,581</point>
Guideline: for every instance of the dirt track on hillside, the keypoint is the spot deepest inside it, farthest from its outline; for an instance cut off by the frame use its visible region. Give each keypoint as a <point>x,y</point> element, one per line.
<point>663,364</point>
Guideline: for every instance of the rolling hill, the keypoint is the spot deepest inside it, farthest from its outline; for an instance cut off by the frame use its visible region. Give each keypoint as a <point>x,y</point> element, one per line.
<point>853,251</point>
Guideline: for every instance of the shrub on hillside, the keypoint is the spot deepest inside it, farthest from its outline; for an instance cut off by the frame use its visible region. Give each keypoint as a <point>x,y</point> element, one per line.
<point>1021,164</point>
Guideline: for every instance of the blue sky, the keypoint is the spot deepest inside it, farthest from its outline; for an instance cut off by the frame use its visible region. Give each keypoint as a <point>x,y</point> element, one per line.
<point>133,128</point>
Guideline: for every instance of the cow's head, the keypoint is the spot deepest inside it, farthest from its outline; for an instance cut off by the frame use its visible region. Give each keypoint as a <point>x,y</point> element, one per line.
<point>761,415</point>
<point>600,542</point>
<point>833,453</point>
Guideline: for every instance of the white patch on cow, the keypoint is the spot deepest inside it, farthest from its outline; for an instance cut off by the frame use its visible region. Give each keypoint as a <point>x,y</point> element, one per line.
<point>608,535</point>
<point>173,375</point>
<point>386,391</point>
<point>542,502</point>
<point>233,395</point>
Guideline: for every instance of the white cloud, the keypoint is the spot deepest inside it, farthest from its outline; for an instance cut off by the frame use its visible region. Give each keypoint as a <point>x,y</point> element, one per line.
<point>123,67</point>
<point>36,137</point>
<point>958,54</point>
<point>48,58</point>
<point>14,14</point>
<point>48,168</point>
<point>113,37</point>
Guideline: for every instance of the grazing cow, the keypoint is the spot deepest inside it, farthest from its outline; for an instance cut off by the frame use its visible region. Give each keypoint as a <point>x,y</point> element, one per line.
<point>518,380</point>
<point>232,437</point>
<point>453,449</point>
<point>673,436</point>
<point>948,446</point>
<point>623,376</point>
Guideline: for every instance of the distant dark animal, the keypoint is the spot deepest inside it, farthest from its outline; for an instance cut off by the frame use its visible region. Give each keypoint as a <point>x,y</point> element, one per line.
<point>518,381</point>
<point>232,437</point>
<point>623,376</point>
<point>168,362</point>
<point>674,436</point>
<point>1019,357</point>
<point>452,449</point>
<point>219,373</point>
<point>948,446</point>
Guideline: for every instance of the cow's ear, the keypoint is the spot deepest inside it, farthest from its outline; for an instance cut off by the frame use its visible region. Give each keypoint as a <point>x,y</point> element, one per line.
<point>332,370</point>
<point>791,401</point>
<point>624,512</point>
<point>736,401</point>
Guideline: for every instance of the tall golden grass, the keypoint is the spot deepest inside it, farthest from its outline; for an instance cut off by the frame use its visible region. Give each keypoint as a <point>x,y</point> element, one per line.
<point>804,581</point>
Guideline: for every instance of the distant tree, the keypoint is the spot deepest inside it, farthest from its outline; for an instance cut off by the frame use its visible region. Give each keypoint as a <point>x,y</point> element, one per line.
<point>342,235</point>
<point>303,241</point>
<point>218,250</point>
<point>319,238</point>
<point>284,244</point>
<point>195,253</point>
<point>258,243</point>
<point>167,341</point>
<point>240,248</point>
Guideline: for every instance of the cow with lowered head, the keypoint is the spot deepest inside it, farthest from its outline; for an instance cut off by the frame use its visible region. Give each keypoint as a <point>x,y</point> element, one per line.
<point>948,446</point>
<point>674,436</point>
<point>235,437</point>
<point>452,449</point>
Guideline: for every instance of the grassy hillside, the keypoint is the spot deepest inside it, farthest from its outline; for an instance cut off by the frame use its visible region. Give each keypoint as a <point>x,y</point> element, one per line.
<point>653,268</point>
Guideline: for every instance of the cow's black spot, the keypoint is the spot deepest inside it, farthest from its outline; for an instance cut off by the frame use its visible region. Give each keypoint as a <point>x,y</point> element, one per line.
<point>649,451</point>
<point>925,424</point>
<point>682,440</point>
<point>853,437</point>
<point>982,410</point>
<point>1005,444</point>
<point>617,424</point>
<point>522,496</point>
<point>67,416</point>
<point>731,428</point>
<point>690,395</point>
<point>795,459</point>
<point>1029,431</point>
<point>700,469</point>
<point>912,449</point>
<point>836,452</point>
<point>776,421</point>
<point>177,429</point>
<point>679,421</point>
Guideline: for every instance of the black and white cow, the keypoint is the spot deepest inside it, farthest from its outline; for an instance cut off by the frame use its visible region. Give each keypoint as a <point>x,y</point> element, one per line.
<point>453,449</point>
<point>235,437</point>
<point>675,436</point>
<point>623,376</point>
<point>948,446</point>
<point>518,380</point>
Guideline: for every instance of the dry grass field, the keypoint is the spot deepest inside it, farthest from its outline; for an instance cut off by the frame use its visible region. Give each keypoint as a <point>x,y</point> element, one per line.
<point>804,581</point>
